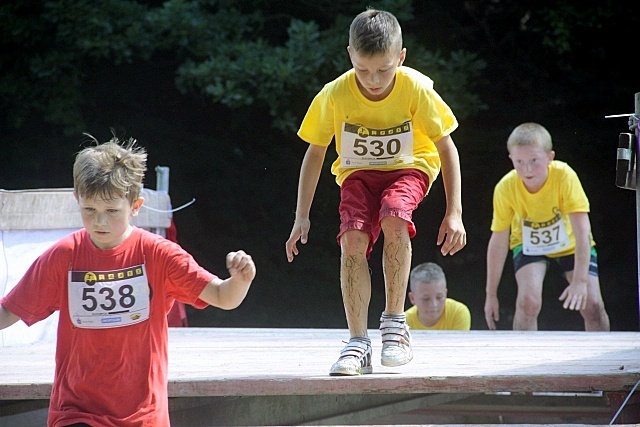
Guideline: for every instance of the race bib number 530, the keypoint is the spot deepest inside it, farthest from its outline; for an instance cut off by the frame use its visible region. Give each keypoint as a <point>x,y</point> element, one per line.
<point>366,147</point>
<point>108,299</point>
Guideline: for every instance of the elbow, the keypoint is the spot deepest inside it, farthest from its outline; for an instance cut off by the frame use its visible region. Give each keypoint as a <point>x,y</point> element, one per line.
<point>229,306</point>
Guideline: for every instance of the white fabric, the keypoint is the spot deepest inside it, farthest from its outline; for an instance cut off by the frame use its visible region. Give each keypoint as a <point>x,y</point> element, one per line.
<point>31,221</point>
<point>18,249</point>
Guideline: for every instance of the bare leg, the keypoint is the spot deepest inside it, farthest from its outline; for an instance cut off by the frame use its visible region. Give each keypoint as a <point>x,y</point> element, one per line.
<point>355,281</point>
<point>595,316</point>
<point>396,263</point>
<point>529,300</point>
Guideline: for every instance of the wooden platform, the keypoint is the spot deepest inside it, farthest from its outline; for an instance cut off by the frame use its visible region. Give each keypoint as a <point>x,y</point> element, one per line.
<point>228,362</point>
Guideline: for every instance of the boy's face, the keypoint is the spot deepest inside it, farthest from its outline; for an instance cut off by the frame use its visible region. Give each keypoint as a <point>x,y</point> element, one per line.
<point>375,74</point>
<point>531,162</point>
<point>107,221</point>
<point>430,299</point>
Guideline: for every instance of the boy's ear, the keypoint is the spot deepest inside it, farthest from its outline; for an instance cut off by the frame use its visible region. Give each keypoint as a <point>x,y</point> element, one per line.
<point>552,155</point>
<point>403,56</point>
<point>411,298</point>
<point>136,205</point>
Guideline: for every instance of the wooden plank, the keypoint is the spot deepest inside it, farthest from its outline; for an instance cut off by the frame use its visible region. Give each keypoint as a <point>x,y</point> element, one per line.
<point>32,209</point>
<point>259,362</point>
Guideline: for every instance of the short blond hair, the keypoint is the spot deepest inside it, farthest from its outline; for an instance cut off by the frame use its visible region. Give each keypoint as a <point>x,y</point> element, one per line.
<point>375,32</point>
<point>110,170</point>
<point>427,272</point>
<point>528,134</point>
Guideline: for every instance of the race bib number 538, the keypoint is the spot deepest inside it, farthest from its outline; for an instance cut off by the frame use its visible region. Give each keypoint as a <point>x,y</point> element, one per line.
<point>108,299</point>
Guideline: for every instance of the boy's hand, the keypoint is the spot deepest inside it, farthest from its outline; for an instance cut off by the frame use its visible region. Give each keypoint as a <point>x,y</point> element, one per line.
<point>241,266</point>
<point>300,232</point>
<point>575,295</point>
<point>452,235</point>
<point>492,311</point>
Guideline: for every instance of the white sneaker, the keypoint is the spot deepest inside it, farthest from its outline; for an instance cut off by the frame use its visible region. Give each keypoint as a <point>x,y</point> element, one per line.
<point>396,342</point>
<point>355,359</point>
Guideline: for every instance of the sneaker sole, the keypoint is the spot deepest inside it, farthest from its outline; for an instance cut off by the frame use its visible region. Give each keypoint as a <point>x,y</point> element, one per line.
<point>394,363</point>
<point>348,373</point>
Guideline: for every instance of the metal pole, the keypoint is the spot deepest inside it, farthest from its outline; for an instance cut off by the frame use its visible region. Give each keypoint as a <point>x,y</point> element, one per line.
<point>634,123</point>
<point>162,184</point>
<point>162,178</point>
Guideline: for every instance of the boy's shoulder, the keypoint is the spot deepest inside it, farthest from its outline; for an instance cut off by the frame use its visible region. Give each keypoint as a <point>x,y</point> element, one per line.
<point>561,166</point>
<point>457,304</point>
<point>63,250</point>
<point>340,81</point>
<point>71,241</point>
<point>406,76</point>
<point>150,239</point>
<point>509,178</point>
<point>562,172</point>
<point>559,171</point>
<point>415,77</point>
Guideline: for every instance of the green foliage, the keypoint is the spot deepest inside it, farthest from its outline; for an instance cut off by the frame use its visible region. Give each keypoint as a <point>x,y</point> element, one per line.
<point>454,77</point>
<point>47,46</point>
<point>112,30</point>
<point>560,27</point>
<point>242,73</point>
<point>235,53</point>
<point>201,83</point>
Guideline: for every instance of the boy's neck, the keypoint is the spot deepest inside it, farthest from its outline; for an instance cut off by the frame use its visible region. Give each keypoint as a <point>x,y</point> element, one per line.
<point>535,189</point>
<point>379,97</point>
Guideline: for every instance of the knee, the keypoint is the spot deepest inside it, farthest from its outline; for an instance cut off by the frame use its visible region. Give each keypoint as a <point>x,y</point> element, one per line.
<point>393,226</point>
<point>354,242</point>
<point>529,305</point>
<point>594,311</point>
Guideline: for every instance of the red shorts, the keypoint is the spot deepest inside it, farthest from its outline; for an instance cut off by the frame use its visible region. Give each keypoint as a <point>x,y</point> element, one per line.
<point>367,196</point>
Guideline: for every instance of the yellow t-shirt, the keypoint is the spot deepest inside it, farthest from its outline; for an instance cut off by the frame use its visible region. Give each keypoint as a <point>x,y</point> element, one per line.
<point>455,317</point>
<point>340,106</point>
<point>560,195</point>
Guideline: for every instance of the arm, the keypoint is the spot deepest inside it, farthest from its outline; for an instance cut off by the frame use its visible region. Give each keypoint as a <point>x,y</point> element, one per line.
<point>228,294</point>
<point>7,318</point>
<point>309,175</point>
<point>575,295</point>
<point>452,235</point>
<point>497,251</point>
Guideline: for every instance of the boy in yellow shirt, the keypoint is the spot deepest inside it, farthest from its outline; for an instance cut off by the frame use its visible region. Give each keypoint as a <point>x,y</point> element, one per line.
<point>541,214</point>
<point>432,310</point>
<point>392,136</point>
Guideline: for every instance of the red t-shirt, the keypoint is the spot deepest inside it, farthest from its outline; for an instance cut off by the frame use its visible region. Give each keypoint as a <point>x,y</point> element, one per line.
<point>113,376</point>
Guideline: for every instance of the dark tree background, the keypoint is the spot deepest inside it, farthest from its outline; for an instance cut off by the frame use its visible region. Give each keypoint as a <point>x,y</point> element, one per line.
<point>215,90</point>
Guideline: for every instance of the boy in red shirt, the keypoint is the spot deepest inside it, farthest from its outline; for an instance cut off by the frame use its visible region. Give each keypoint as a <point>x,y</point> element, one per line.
<point>114,284</point>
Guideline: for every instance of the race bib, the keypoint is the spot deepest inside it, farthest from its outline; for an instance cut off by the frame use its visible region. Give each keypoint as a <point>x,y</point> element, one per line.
<point>363,147</point>
<point>108,299</point>
<point>543,238</point>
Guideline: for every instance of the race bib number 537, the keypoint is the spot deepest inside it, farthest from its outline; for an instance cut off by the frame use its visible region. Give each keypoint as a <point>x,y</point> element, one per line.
<point>108,299</point>
<point>543,238</point>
